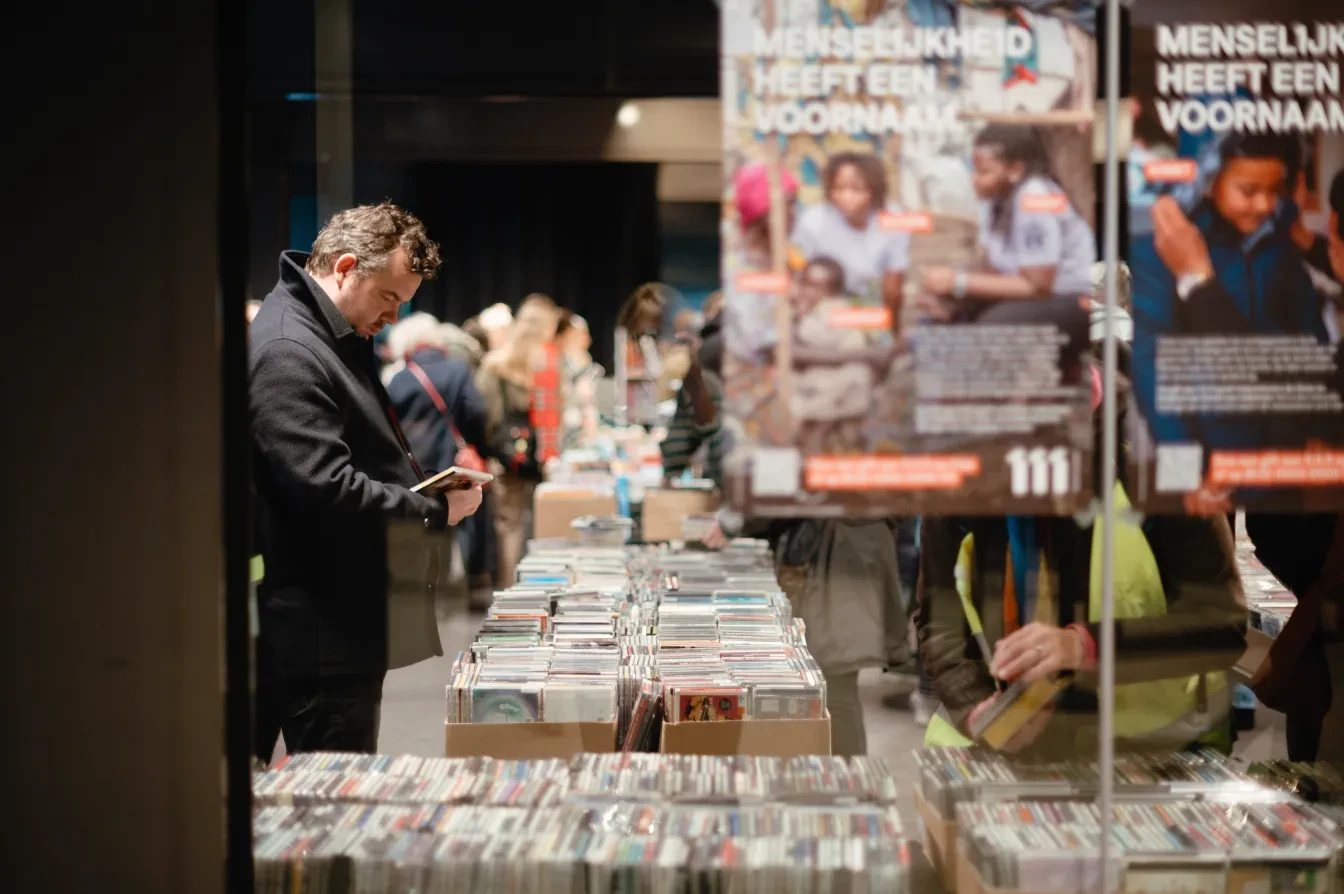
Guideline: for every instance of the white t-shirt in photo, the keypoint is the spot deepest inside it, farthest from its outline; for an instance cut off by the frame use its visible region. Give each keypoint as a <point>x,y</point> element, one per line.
<point>865,255</point>
<point>1056,237</point>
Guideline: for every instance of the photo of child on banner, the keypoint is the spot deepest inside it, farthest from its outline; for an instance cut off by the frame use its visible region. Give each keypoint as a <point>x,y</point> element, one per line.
<point>1236,291</point>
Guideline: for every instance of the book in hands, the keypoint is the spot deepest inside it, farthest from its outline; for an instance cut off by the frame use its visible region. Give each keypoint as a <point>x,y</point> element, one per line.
<point>453,478</point>
<point>1015,708</point>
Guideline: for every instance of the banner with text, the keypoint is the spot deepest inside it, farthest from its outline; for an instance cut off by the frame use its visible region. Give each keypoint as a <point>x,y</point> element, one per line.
<point>908,244</point>
<point>1237,253</point>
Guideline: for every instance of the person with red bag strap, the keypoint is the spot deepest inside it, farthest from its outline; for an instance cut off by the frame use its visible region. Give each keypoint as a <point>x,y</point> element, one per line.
<point>435,398</point>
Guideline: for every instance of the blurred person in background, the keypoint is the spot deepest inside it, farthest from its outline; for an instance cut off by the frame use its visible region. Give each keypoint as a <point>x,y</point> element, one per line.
<point>442,414</point>
<point>333,476</point>
<point>505,381</point>
<point>497,321</point>
<point>253,308</point>
<point>476,330</point>
<point>578,376</point>
<point>574,339</point>
<point>647,318</point>
<point>458,344</point>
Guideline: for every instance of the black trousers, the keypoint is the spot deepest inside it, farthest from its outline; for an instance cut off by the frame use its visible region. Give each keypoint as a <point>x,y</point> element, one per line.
<point>329,713</point>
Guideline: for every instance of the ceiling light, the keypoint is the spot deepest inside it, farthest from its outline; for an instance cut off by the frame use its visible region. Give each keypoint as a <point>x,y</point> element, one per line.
<point>628,116</point>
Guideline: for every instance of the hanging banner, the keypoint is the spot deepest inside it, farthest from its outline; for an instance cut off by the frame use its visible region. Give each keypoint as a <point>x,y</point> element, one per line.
<point>908,240</point>
<point>1237,253</point>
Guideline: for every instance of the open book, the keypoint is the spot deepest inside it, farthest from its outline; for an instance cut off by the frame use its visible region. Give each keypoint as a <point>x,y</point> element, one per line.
<point>452,478</point>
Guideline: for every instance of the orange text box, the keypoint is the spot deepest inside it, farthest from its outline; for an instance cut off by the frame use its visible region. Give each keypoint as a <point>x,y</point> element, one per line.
<point>905,222</point>
<point>857,473</point>
<point>763,283</point>
<point>1172,170</point>
<point>1045,203</point>
<point>859,318</point>
<point>1290,468</point>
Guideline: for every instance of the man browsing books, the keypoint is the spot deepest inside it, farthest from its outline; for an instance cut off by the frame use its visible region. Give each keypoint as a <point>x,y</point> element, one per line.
<point>333,476</point>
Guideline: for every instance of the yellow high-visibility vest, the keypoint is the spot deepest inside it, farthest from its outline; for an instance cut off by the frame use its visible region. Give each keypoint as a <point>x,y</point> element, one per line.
<point>1164,713</point>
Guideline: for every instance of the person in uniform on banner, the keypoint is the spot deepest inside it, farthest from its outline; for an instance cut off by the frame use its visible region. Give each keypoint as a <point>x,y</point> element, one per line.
<point>907,245</point>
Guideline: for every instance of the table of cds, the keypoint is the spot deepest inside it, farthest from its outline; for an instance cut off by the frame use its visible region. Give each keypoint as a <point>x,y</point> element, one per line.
<point>341,824</point>
<point>636,637</point>
<point>1186,823</point>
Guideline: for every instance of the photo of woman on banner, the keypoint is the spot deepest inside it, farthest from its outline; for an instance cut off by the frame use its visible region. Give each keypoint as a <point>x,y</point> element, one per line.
<point>1222,260</point>
<point>1037,250</point>
<point>847,228</point>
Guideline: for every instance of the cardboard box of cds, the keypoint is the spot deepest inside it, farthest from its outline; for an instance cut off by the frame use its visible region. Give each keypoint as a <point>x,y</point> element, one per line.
<point>554,506</point>
<point>527,741</point>
<point>752,738</point>
<point>666,509</point>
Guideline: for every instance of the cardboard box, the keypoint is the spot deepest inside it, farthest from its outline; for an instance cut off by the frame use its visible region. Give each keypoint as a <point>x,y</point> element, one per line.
<point>754,738</point>
<point>527,741</point>
<point>964,873</point>
<point>554,507</point>
<point>665,509</point>
<point>940,840</point>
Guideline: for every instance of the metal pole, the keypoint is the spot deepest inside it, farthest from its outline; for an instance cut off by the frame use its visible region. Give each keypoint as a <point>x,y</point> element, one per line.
<point>1111,222</point>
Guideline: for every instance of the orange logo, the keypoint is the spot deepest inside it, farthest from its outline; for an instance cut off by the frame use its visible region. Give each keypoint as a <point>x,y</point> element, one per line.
<point>1175,170</point>
<point>1045,203</point>
<point>763,283</point>
<point>905,222</point>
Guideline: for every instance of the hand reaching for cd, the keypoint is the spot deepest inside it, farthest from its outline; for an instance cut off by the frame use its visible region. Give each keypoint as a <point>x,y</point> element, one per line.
<point>1027,735</point>
<point>1038,651</point>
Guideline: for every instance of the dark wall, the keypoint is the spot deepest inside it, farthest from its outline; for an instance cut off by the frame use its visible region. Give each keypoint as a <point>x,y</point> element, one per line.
<point>112,562</point>
<point>585,234</point>
<point>526,47</point>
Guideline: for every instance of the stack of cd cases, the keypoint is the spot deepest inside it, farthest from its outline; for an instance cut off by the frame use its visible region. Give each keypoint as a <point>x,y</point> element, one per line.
<point>635,637</point>
<point>752,833</point>
<point>1195,847</point>
<point>949,777</point>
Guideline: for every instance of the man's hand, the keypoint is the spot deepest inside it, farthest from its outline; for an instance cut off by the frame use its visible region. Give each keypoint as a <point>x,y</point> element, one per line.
<point>1179,242</point>
<point>939,280</point>
<point>462,503</point>
<point>1036,652</point>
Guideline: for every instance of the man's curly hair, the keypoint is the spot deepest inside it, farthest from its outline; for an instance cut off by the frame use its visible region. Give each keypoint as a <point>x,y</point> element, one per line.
<point>373,233</point>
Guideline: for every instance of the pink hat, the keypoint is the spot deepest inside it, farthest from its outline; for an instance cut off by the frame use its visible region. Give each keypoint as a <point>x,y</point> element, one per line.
<point>751,191</point>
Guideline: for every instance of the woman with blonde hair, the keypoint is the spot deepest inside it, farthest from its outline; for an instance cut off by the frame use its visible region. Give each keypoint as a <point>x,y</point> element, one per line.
<point>505,381</point>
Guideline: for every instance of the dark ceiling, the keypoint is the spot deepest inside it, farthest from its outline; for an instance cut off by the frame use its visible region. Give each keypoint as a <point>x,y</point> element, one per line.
<point>526,47</point>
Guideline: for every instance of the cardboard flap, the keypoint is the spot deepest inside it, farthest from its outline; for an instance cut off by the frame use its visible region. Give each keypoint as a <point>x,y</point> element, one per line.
<point>527,741</point>
<point>755,738</point>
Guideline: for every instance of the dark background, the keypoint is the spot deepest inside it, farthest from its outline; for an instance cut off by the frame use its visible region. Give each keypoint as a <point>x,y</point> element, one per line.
<point>583,231</point>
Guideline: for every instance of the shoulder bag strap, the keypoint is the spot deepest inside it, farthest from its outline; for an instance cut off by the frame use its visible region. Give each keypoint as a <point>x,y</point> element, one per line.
<point>423,378</point>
